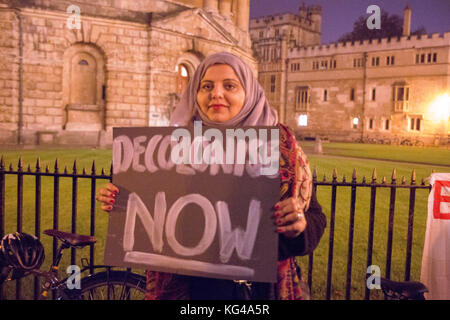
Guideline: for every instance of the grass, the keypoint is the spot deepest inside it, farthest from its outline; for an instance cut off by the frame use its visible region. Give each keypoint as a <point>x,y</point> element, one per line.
<point>424,155</point>
<point>324,165</point>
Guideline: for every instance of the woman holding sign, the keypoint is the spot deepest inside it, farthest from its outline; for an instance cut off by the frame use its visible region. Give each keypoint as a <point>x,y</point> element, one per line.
<point>224,92</point>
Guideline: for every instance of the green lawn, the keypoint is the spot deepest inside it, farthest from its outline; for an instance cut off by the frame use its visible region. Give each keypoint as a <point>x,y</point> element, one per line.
<point>425,155</point>
<point>324,165</point>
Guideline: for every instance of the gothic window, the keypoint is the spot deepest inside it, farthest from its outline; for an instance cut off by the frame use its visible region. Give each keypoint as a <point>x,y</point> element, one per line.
<point>272,83</point>
<point>401,96</point>
<point>415,123</point>
<point>370,124</point>
<point>302,98</point>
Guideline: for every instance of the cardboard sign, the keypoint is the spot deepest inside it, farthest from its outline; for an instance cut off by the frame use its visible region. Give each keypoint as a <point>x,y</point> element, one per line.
<point>190,204</point>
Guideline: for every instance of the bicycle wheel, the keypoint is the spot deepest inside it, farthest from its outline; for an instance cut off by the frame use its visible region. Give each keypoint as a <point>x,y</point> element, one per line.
<point>113,285</point>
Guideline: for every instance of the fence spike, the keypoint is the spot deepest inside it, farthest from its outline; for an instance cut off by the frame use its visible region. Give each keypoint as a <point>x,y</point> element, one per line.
<point>314,174</point>
<point>20,164</point>
<point>2,163</point>
<point>364,180</point>
<point>65,169</point>
<point>10,167</point>
<point>56,165</point>
<point>28,168</point>
<point>111,169</point>
<point>103,172</point>
<point>403,180</point>
<point>423,182</point>
<point>394,175</point>
<point>343,178</point>
<point>383,181</point>
<point>354,175</point>
<point>324,178</point>
<point>374,175</point>
<point>46,168</point>
<point>93,167</point>
<point>84,171</point>
<point>413,176</point>
<point>334,174</point>
<point>74,169</point>
<point>38,164</point>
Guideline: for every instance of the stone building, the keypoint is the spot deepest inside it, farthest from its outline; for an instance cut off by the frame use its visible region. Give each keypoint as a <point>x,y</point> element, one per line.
<point>390,89</point>
<point>70,71</point>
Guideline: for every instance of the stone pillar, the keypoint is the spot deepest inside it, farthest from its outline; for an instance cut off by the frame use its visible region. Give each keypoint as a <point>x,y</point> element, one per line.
<point>243,14</point>
<point>225,8</point>
<point>283,81</point>
<point>210,5</point>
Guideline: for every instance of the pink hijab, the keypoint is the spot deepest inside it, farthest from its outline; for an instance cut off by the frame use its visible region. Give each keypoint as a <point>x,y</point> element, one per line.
<point>256,110</point>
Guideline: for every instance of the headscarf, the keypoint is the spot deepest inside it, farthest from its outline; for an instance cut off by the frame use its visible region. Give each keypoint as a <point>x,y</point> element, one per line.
<point>255,112</point>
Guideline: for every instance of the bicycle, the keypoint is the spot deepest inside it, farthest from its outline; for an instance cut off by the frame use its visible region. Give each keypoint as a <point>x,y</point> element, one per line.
<point>403,290</point>
<point>105,285</point>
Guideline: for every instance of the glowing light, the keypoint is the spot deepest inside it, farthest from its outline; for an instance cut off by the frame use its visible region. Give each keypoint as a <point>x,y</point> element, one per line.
<point>184,72</point>
<point>355,121</point>
<point>440,108</point>
<point>303,120</point>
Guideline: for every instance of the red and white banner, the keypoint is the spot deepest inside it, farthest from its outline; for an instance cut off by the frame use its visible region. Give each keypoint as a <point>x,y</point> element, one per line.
<point>435,272</point>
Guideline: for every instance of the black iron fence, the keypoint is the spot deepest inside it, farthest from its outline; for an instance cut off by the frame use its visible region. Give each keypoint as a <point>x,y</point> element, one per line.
<point>76,176</point>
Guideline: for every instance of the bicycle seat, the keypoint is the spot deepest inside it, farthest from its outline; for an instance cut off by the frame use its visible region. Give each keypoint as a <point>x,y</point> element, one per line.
<point>72,239</point>
<point>407,290</point>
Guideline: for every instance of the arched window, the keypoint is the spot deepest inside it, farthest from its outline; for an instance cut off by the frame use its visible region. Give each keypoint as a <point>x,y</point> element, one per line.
<point>182,78</point>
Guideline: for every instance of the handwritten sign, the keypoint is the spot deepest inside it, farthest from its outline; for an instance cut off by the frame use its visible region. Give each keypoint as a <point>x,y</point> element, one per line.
<point>196,202</point>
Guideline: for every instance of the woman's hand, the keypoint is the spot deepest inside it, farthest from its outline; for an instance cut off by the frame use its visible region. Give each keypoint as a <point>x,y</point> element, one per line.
<point>106,196</point>
<point>289,217</point>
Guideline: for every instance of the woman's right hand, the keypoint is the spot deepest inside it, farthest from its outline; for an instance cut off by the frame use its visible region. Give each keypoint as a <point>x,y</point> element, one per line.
<point>106,196</point>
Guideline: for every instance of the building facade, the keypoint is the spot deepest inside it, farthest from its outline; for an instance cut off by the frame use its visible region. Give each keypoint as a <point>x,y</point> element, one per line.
<point>389,89</point>
<point>70,71</point>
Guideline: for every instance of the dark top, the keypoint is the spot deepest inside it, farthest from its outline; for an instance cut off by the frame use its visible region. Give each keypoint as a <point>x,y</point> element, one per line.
<point>305,243</point>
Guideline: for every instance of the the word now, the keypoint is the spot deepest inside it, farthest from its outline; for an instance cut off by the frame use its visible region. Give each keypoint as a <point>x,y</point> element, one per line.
<point>165,221</point>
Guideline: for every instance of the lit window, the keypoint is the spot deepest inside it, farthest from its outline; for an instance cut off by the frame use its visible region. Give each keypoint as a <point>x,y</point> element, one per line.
<point>303,120</point>
<point>355,123</point>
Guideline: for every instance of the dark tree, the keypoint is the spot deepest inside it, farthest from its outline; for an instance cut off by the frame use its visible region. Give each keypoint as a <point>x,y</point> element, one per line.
<point>391,26</point>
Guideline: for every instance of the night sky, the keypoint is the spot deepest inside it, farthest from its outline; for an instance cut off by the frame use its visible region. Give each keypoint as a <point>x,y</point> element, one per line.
<point>338,16</point>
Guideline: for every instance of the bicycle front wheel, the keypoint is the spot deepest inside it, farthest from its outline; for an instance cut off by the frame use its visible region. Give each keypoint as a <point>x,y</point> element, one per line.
<point>113,285</point>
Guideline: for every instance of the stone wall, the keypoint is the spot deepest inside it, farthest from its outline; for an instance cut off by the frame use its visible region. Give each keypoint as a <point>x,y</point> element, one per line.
<point>133,55</point>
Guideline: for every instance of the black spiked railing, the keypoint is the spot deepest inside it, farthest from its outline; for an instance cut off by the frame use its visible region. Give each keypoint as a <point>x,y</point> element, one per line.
<point>334,184</point>
<point>57,175</point>
<point>393,186</point>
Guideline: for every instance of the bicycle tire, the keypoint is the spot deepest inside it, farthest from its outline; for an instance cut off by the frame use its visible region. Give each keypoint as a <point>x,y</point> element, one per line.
<point>122,286</point>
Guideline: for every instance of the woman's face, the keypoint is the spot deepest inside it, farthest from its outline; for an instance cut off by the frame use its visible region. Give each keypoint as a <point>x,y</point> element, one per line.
<point>221,95</point>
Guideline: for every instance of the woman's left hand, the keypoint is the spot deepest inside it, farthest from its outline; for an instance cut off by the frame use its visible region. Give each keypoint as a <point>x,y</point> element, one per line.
<point>289,217</point>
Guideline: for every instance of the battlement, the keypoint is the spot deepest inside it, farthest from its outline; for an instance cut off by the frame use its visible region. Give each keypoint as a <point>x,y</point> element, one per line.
<point>279,19</point>
<point>404,42</point>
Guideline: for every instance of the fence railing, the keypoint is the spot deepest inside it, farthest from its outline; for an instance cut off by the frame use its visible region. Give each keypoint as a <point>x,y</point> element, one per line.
<point>75,176</point>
